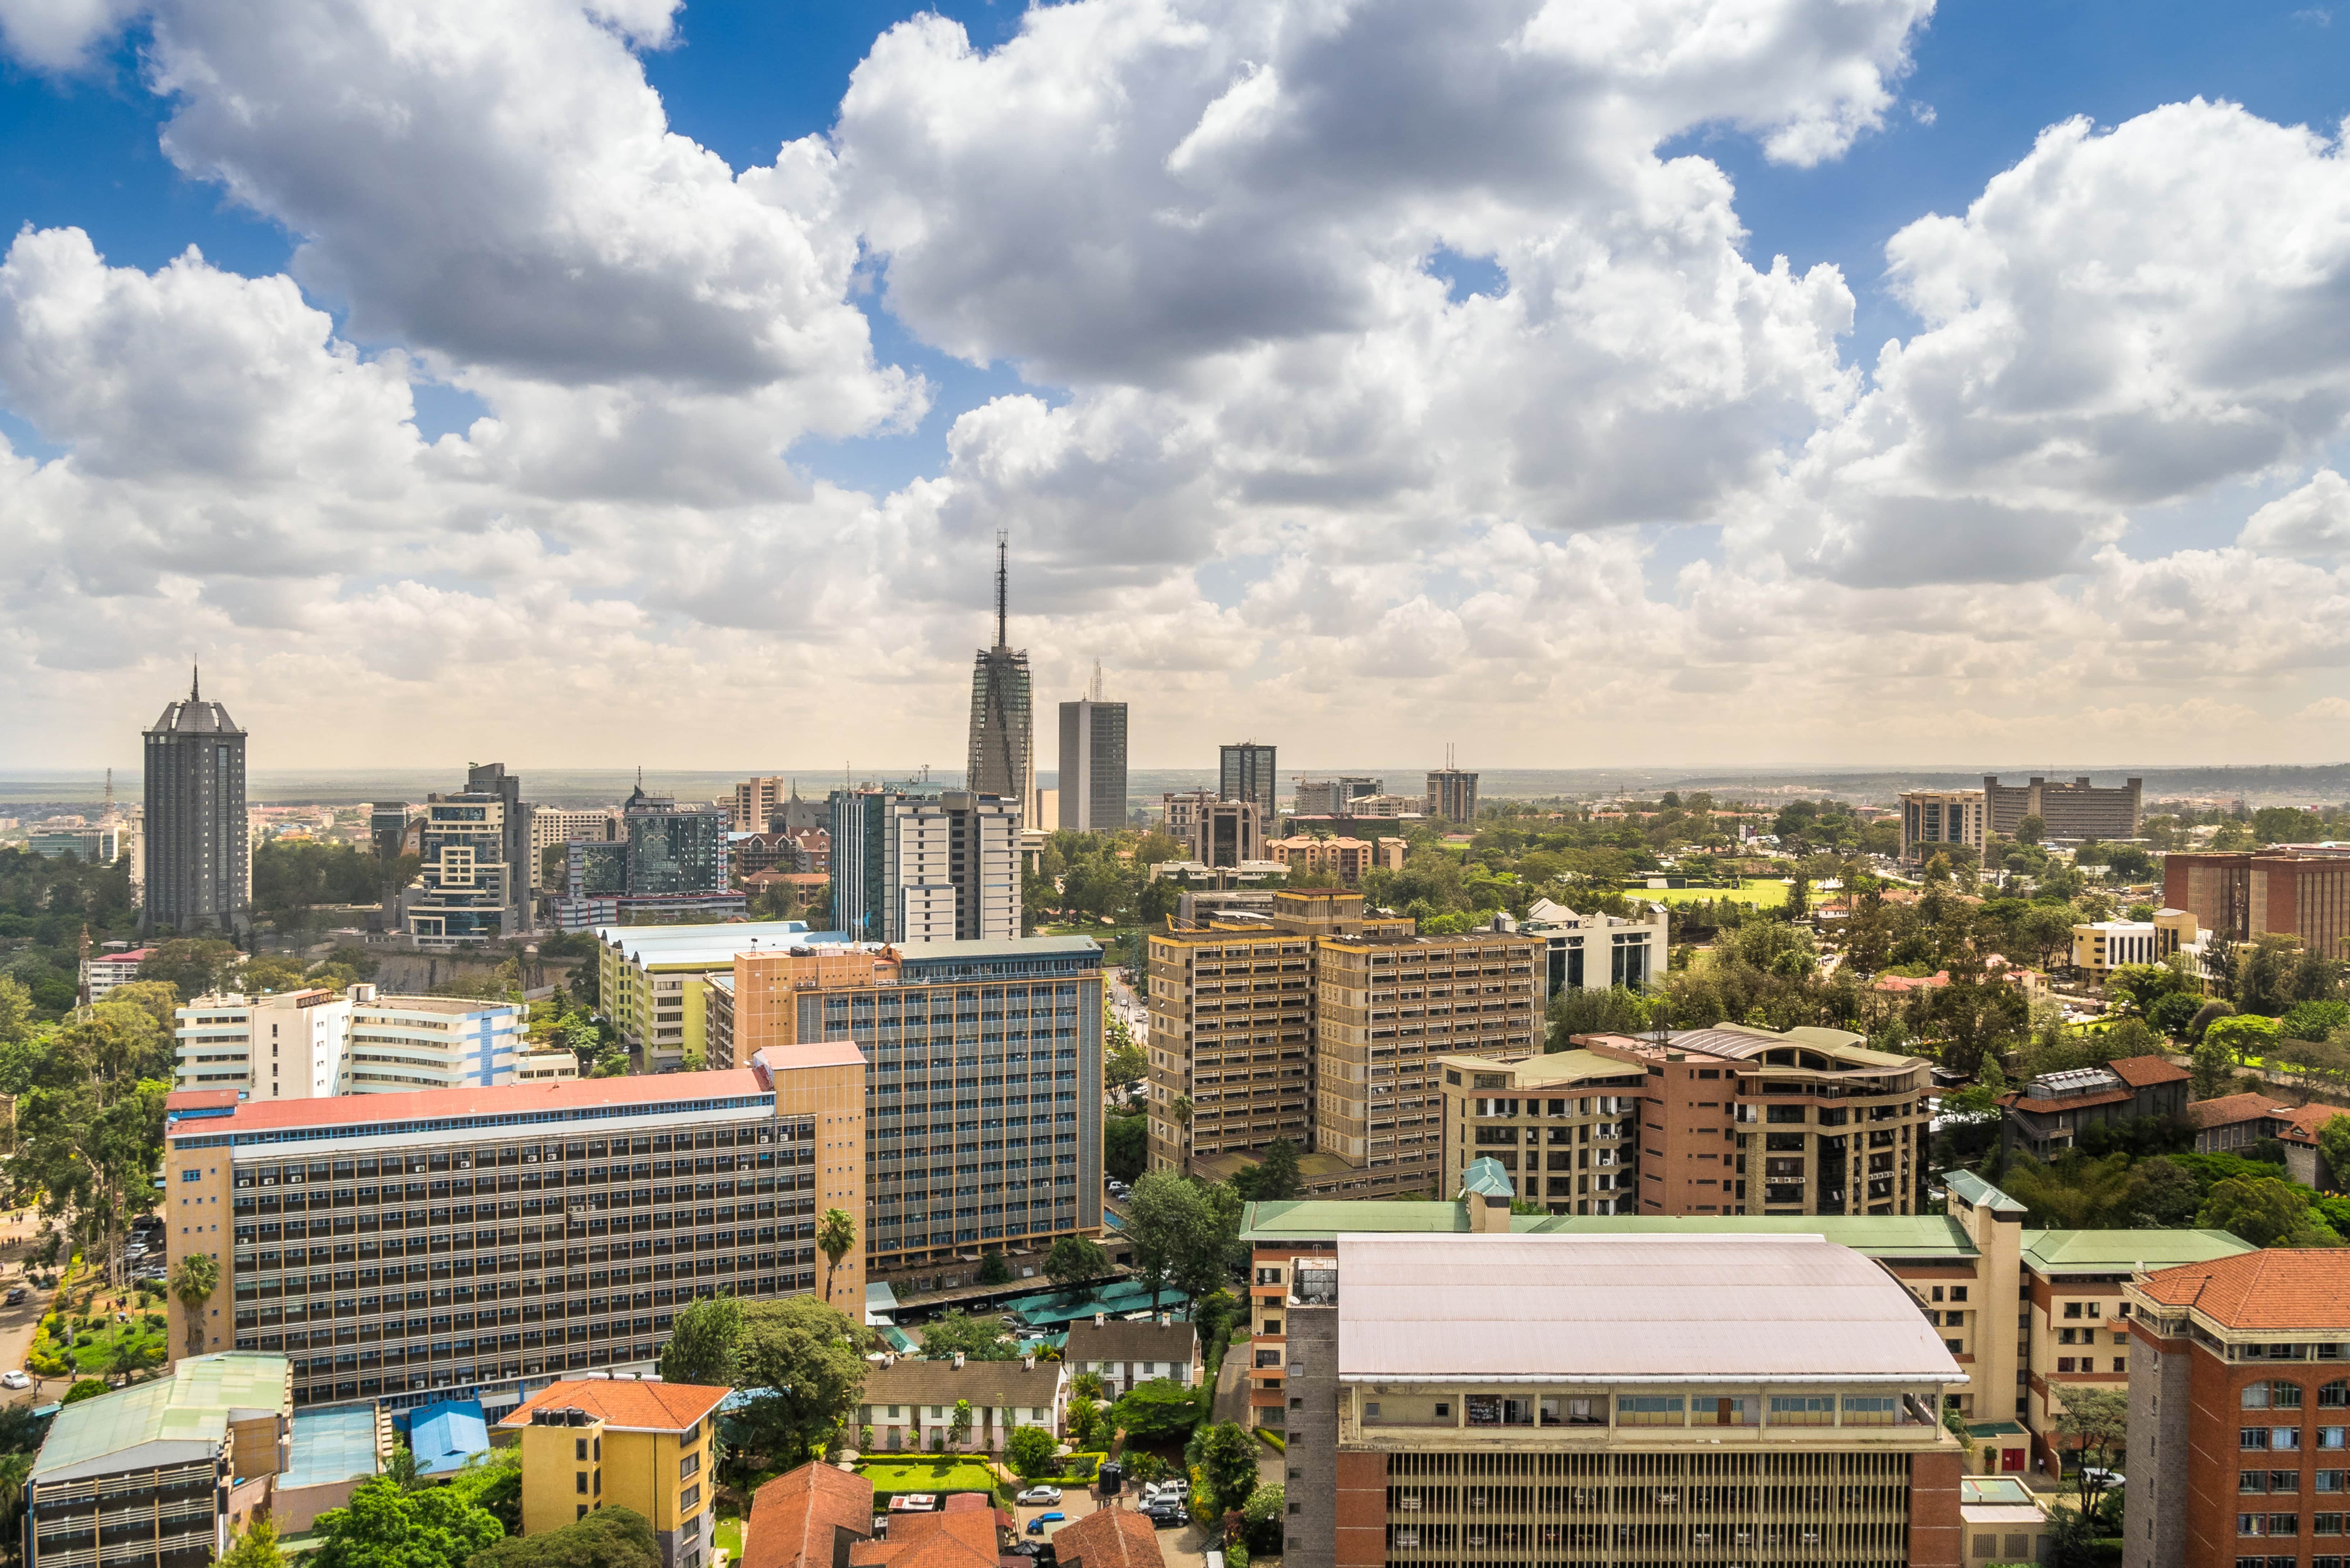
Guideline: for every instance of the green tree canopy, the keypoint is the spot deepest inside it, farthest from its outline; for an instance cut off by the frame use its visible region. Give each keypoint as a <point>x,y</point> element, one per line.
<point>1073,1259</point>
<point>2267,1211</point>
<point>955,1332</point>
<point>384,1526</point>
<point>192,965</point>
<point>255,1548</point>
<point>2242,1037</point>
<point>1030,1451</point>
<point>701,1347</point>
<point>1227,1466</point>
<point>810,1360</point>
<point>605,1538</point>
<point>1155,1410</point>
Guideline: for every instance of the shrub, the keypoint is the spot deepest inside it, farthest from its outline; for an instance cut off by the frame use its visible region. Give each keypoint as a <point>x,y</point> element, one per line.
<point>87,1388</point>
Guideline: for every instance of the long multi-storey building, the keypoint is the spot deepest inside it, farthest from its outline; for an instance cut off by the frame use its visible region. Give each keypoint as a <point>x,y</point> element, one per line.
<point>2073,810</point>
<point>1317,1024</point>
<point>1508,1398</point>
<point>301,1044</point>
<point>2239,1413</point>
<point>198,863</point>
<point>2236,897</point>
<point>2030,1315</point>
<point>1934,820</point>
<point>475,1243</point>
<point>983,1082</point>
<point>922,865</point>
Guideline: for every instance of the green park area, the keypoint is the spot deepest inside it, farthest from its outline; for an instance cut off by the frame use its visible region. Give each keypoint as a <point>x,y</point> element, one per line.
<point>1762,893</point>
<point>946,1472</point>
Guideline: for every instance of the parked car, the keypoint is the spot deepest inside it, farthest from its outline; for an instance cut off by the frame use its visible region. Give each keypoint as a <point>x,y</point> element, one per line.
<point>1175,1486</point>
<point>1039,1494</point>
<point>16,1294</point>
<point>1036,1525</point>
<point>1163,1513</point>
<point>2110,1480</point>
<point>14,1380</point>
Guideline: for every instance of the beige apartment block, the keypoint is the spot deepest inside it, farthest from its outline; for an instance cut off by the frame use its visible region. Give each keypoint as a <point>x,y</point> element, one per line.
<point>1231,1040</point>
<point>1566,1126</point>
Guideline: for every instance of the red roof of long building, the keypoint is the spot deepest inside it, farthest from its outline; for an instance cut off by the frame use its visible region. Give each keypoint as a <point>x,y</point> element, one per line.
<point>793,1517</point>
<point>2144,1071</point>
<point>639,1404</point>
<point>434,1105</point>
<point>2278,1288</point>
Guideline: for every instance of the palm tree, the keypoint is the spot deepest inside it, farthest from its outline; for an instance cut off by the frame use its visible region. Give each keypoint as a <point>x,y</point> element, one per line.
<point>193,1283</point>
<point>835,1233</point>
<point>15,1471</point>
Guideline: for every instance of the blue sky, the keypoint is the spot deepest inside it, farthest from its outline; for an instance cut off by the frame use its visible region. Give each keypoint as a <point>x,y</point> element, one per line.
<point>744,78</point>
<point>1297,347</point>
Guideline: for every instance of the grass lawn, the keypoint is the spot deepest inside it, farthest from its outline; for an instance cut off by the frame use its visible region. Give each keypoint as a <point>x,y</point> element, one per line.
<point>1761,892</point>
<point>950,1472</point>
<point>98,1351</point>
<point>729,1534</point>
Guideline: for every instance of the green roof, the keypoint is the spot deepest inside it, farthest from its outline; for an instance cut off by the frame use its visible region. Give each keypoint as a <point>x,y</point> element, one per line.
<point>1488,1179</point>
<point>1557,1066</point>
<point>1872,1235</point>
<point>194,1405</point>
<point>1982,1194</point>
<point>2124,1251</point>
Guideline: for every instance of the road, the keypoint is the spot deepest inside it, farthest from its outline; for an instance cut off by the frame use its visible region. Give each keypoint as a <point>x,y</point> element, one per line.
<point>19,1323</point>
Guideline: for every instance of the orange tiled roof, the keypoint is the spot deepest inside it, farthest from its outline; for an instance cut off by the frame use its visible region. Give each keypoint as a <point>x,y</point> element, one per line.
<point>2069,1103</point>
<point>793,1517</point>
<point>2230,1109</point>
<point>1109,1538</point>
<point>625,1402</point>
<point>2144,1071</point>
<point>2279,1288</point>
<point>2307,1120</point>
<point>959,1540</point>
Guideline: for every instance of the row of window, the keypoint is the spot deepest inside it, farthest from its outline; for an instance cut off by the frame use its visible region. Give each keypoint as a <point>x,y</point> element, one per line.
<point>2290,1481</point>
<point>2287,1439</point>
<point>2282,1524</point>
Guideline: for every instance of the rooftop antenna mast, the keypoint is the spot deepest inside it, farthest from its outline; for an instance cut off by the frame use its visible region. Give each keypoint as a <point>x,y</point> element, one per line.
<point>1000,638</point>
<point>1095,695</point>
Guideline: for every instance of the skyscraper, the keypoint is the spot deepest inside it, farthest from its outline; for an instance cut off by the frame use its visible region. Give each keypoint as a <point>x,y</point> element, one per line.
<point>1246,773</point>
<point>929,866</point>
<point>199,866</point>
<point>1002,745</point>
<point>1093,762</point>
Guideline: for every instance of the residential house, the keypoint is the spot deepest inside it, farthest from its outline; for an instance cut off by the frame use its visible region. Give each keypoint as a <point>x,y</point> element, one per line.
<point>812,1517</point>
<point>1109,1538</point>
<point>2052,1112</point>
<point>596,1442</point>
<point>1124,1354</point>
<point>911,1403</point>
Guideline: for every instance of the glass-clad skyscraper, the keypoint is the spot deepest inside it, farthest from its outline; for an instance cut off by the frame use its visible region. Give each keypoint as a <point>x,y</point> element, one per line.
<point>199,863</point>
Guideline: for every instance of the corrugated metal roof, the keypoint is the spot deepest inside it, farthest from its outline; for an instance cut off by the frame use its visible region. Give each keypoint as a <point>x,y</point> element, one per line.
<point>2118,1251</point>
<point>193,1406</point>
<point>1975,1190</point>
<point>1875,1235</point>
<point>1678,1309</point>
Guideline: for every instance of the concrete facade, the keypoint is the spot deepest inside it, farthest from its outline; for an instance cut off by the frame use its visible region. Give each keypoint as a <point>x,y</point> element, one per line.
<point>2073,809</point>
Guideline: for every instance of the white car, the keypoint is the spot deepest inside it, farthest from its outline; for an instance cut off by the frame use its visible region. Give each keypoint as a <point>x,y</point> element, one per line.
<point>14,1380</point>
<point>1040,1495</point>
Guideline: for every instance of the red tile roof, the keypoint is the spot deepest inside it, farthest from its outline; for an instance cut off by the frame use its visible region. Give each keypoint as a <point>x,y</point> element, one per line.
<point>2280,1288</point>
<point>1109,1538</point>
<point>2144,1071</point>
<point>2307,1120</point>
<point>499,1100</point>
<point>2069,1103</point>
<point>796,1517</point>
<point>635,1403</point>
<point>2230,1109</point>
<point>961,1540</point>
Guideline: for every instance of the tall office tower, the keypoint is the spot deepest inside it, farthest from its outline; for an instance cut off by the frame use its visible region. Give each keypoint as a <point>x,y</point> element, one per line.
<point>861,900</point>
<point>1002,744</point>
<point>516,851</point>
<point>672,851</point>
<point>1244,771</point>
<point>953,865</point>
<point>199,865</point>
<point>585,1217</point>
<point>388,829</point>
<point>985,1084</point>
<point>1451,794</point>
<point>1093,762</point>
<point>468,889</point>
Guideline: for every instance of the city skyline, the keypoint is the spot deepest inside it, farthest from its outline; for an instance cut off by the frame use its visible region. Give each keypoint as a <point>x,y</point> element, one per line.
<point>432,442</point>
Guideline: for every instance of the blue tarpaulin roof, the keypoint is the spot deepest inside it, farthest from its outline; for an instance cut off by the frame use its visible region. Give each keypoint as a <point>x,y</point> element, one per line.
<point>444,1436</point>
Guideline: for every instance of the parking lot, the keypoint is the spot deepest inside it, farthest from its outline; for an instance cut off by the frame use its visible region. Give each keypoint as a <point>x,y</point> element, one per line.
<point>1183,1545</point>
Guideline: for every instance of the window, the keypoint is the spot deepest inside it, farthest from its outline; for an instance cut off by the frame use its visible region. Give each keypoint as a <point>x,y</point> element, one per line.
<point>2251,1480</point>
<point>2326,1524</point>
<point>2274,1395</point>
<point>2284,1439</point>
<point>2334,1396</point>
<point>689,1499</point>
<point>1650,1410</point>
<point>2330,1436</point>
<point>1958,1292</point>
<point>1571,1411</point>
<point>579,1482</point>
<point>1868,1410</point>
<point>2250,1437</point>
<point>689,1466</point>
<point>1803,1410</point>
<point>2332,1480</point>
<point>579,1449</point>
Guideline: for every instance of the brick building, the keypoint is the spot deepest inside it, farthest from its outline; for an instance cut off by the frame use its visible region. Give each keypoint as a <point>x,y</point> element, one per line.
<point>2071,810</point>
<point>2237,896</point>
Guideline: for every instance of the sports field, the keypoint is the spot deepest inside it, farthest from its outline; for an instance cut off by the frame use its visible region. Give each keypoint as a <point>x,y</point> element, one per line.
<point>1762,892</point>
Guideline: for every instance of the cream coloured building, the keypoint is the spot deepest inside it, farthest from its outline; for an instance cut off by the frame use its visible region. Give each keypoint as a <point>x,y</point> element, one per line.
<point>313,1043</point>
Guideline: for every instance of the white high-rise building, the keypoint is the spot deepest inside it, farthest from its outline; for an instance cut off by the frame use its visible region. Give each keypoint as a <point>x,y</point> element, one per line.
<point>951,866</point>
<point>314,1043</point>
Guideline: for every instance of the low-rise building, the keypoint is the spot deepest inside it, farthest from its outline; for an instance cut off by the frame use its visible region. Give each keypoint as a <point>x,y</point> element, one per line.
<point>308,1043</point>
<point>1109,1538</point>
<point>812,1517</point>
<point>606,1442</point>
<point>653,980</point>
<point>2004,1522</point>
<point>1124,1354</point>
<point>2232,1122</point>
<point>2052,1112</point>
<point>1344,859</point>
<point>149,1476</point>
<point>2240,1412</point>
<point>109,970</point>
<point>1501,1396</point>
<point>1599,951</point>
<point>2100,946</point>
<point>911,1403</point>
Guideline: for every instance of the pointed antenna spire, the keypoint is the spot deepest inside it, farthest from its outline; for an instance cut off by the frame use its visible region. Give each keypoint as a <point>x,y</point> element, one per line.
<point>1001,641</point>
<point>1096,695</point>
<point>195,684</point>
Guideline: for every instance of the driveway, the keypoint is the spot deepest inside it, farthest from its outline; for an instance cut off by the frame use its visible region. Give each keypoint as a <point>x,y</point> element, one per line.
<point>1182,1545</point>
<point>19,1323</point>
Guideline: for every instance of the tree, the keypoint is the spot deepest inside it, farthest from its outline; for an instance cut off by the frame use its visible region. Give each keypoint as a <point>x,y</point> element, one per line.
<point>604,1538</point>
<point>1261,1520</point>
<point>2334,1146</point>
<point>809,1357</point>
<point>1030,1452</point>
<point>192,965</point>
<point>256,1548</point>
<point>2213,1065</point>
<point>835,1233</point>
<point>701,1346</point>
<point>1083,1415</point>
<point>87,1388</point>
<point>1087,1385</point>
<point>995,1271</point>
<point>1577,1010</point>
<point>2030,830</point>
<point>1227,1464</point>
<point>193,1280</point>
<point>1125,1147</point>
<point>956,1333</point>
<point>959,1424</point>
<point>2267,1211</point>
<point>2243,1036</point>
<point>1156,1409</point>
<point>1075,1259</point>
<point>2093,1424</point>
<point>1276,1176</point>
<point>1170,1225</point>
<point>384,1526</point>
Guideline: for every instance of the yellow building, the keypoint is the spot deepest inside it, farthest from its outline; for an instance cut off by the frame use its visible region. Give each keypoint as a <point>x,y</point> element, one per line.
<point>653,980</point>
<point>2100,946</point>
<point>606,1442</point>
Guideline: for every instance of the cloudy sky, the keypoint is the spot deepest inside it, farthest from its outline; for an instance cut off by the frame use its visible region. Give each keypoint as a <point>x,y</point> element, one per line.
<point>1694,382</point>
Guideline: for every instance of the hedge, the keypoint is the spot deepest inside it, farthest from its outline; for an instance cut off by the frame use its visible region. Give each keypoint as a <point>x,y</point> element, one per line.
<point>1272,1439</point>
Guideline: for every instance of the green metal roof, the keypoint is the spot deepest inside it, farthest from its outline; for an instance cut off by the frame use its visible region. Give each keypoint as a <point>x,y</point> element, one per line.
<point>2124,1251</point>
<point>1872,1235</point>
<point>1488,1179</point>
<point>193,1406</point>
<point>1981,1193</point>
